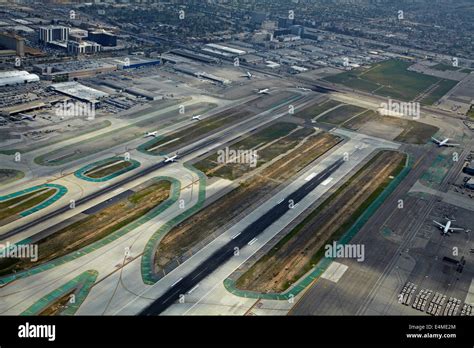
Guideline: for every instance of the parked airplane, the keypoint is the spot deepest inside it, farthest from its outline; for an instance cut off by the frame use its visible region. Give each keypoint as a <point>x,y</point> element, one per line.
<point>27,117</point>
<point>263,91</point>
<point>171,159</point>
<point>151,134</point>
<point>197,117</point>
<point>446,229</point>
<point>247,75</point>
<point>444,142</point>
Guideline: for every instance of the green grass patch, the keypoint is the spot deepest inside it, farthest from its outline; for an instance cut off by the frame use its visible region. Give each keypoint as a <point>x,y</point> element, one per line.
<point>391,79</point>
<point>470,113</point>
<point>97,173</point>
<point>8,208</point>
<point>286,133</point>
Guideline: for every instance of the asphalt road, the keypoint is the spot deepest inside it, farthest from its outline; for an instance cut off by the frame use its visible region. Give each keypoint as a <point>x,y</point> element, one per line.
<point>227,251</point>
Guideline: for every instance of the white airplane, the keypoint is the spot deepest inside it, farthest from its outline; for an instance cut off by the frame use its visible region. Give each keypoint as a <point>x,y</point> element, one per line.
<point>444,142</point>
<point>171,159</point>
<point>27,117</point>
<point>247,75</point>
<point>197,117</point>
<point>446,229</point>
<point>151,134</point>
<point>304,89</point>
<point>263,91</point>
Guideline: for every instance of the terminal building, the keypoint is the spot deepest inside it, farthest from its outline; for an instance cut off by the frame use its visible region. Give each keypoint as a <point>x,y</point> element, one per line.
<point>79,91</point>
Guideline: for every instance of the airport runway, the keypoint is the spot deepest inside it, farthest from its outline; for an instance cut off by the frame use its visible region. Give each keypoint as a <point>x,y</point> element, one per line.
<point>355,290</point>
<point>211,142</point>
<point>246,236</point>
<point>209,291</point>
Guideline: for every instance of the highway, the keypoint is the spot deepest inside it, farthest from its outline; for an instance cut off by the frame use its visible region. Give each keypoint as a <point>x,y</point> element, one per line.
<point>245,237</point>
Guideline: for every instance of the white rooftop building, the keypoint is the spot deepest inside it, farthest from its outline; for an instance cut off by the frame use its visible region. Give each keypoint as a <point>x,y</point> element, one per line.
<point>79,91</point>
<point>226,49</point>
<point>16,77</point>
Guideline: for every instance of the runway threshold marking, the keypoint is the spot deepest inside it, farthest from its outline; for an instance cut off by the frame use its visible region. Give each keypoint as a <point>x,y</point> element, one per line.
<point>327,181</point>
<point>190,291</point>
<point>236,235</point>
<point>252,241</point>
<point>176,282</point>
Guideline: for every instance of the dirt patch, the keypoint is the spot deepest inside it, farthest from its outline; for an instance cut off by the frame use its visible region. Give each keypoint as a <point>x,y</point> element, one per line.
<point>57,306</point>
<point>381,130</point>
<point>403,130</point>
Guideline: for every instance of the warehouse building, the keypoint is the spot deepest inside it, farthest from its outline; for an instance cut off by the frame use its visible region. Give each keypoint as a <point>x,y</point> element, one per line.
<point>16,77</point>
<point>79,91</point>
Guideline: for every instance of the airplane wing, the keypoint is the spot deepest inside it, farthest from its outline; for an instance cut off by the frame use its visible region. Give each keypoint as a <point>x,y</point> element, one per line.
<point>456,229</point>
<point>450,144</point>
<point>440,225</point>
<point>435,140</point>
